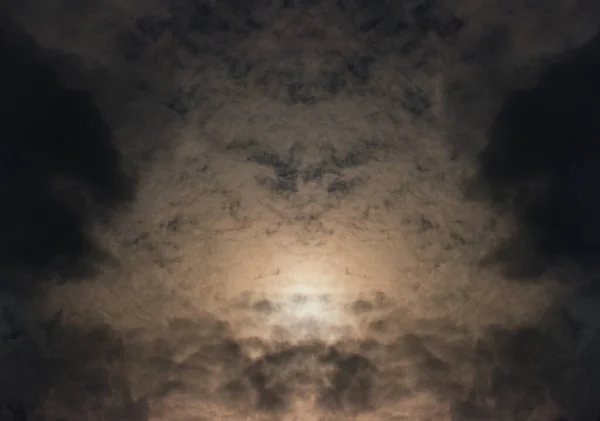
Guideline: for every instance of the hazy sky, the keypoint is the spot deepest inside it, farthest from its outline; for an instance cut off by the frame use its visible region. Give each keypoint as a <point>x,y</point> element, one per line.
<point>299,210</point>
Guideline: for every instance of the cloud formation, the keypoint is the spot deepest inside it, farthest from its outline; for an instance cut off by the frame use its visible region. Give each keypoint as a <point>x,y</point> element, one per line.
<point>433,163</point>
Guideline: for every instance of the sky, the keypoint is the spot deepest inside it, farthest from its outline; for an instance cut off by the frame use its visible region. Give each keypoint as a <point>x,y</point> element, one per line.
<point>299,210</point>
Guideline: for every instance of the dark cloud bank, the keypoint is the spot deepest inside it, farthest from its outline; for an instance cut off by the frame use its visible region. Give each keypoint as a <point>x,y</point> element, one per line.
<point>60,172</point>
<point>541,166</point>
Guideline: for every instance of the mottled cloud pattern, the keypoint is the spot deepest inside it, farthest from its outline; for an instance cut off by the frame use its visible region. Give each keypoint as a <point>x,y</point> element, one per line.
<point>167,166</point>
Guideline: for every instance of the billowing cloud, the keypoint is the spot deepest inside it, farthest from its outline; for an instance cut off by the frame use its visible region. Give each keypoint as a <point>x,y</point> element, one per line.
<point>318,209</point>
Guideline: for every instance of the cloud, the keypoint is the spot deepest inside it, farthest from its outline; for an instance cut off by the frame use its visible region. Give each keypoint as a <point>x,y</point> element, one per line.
<point>383,122</point>
<point>541,158</point>
<point>59,168</point>
<point>60,173</point>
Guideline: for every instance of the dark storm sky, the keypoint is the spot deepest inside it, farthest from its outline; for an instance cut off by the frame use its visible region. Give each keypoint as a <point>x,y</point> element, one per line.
<point>60,172</point>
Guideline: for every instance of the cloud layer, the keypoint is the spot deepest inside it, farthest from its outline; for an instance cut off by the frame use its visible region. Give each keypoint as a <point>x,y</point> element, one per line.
<point>170,168</point>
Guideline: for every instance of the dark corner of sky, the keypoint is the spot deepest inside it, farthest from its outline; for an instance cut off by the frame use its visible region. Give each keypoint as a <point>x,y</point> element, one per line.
<point>59,166</point>
<point>541,168</point>
<point>542,163</point>
<point>59,172</point>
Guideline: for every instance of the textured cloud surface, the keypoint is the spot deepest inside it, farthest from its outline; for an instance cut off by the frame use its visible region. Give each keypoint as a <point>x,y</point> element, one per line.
<point>299,209</point>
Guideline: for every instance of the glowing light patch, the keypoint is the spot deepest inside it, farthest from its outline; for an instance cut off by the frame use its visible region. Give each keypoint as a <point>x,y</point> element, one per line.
<point>307,311</point>
<point>306,301</point>
<point>311,306</point>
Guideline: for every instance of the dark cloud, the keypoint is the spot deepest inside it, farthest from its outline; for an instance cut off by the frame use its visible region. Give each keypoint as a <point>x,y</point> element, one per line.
<point>539,168</point>
<point>532,372</point>
<point>290,169</point>
<point>59,173</point>
<point>62,372</point>
<point>60,170</point>
<point>542,162</point>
